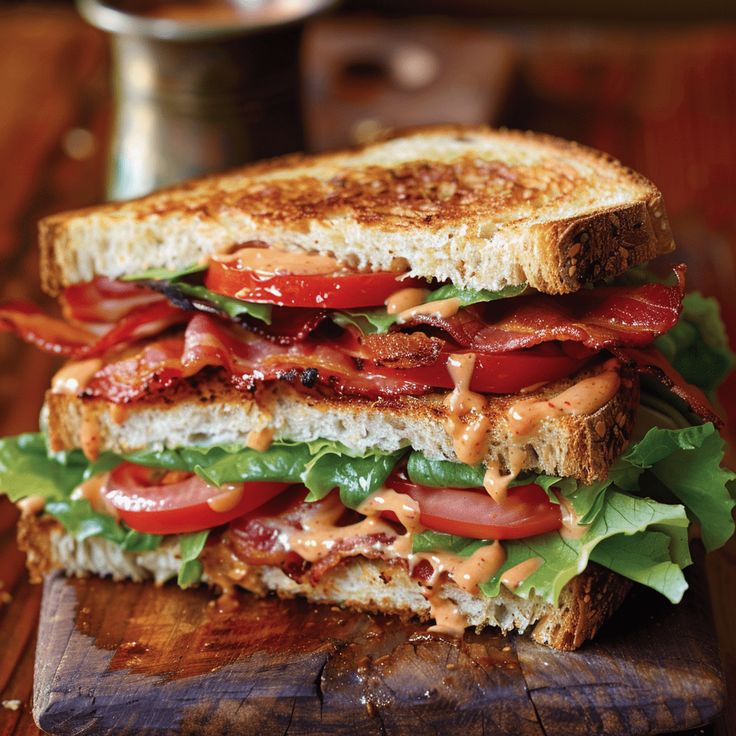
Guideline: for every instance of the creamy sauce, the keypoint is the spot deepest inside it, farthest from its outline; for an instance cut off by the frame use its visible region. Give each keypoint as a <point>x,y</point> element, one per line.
<point>465,423</point>
<point>259,440</point>
<point>441,309</point>
<point>319,533</point>
<point>89,433</point>
<point>405,299</point>
<point>466,572</point>
<point>118,413</point>
<point>72,378</point>
<point>571,527</point>
<point>516,575</point>
<point>497,483</point>
<point>448,619</point>
<point>92,491</point>
<point>231,495</point>
<point>584,398</point>
<point>270,261</point>
<point>31,505</point>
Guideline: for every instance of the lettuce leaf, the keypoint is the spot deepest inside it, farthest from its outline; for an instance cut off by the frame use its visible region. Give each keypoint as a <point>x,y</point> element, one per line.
<point>233,308</point>
<point>190,547</point>
<point>164,274</point>
<point>642,538</point>
<point>563,559</point>
<point>697,346</point>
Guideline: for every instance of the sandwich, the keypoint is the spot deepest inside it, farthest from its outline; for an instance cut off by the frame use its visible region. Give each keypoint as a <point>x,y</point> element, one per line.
<point>433,376</point>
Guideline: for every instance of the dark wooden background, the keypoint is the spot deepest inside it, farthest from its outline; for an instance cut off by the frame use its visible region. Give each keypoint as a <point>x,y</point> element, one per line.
<point>662,100</point>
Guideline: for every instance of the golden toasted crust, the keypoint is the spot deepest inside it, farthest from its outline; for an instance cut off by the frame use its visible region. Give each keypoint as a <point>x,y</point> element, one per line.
<point>484,208</point>
<point>209,411</point>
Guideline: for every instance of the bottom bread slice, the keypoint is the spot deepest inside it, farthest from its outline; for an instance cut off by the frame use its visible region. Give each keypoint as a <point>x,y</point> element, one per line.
<point>357,583</point>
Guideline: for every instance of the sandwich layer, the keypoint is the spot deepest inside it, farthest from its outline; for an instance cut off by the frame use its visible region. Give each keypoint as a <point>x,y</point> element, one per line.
<point>482,208</point>
<point>357,583</point>
<point>210,412</point>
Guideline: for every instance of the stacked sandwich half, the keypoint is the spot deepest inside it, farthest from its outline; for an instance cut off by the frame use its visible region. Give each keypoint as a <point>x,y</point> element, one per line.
<point>426,376</point>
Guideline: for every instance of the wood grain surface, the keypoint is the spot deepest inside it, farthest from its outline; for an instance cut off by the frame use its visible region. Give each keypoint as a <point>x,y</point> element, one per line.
<point>663,101</point>
<point>132,659</point>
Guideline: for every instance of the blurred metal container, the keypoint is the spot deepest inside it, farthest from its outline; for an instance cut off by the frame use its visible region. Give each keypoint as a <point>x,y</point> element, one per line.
<point>200,85</point>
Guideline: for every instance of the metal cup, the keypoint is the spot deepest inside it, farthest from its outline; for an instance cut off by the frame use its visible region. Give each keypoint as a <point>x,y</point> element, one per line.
<point>200,86</point>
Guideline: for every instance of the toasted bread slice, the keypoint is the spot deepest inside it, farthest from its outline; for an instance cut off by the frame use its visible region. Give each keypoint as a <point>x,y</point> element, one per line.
<point>482,208</point>
<point>209,412</point>
<point>357,583</point>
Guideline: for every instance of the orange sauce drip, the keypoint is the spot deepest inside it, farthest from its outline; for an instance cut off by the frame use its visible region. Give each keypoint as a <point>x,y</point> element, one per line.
<point>118,413</point>
<point>91,490</point>
<point>259,440</point>
<point>465,423</point>
<point>89,433</point>
<point>404,299</point>
<point>516,575</point>
<point>497,483</point>
<point>230,496</point>
<point>442,308</point>
<point>584,398</point>
<point>448,619</point>
<point>571,527</point>
<point>31,505</point>
<point>74,376</point>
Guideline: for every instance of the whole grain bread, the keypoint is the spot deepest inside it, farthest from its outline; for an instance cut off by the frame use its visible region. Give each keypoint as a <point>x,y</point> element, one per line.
<point>482,208</point>
<point>357,583</point>
<point>209,411</point>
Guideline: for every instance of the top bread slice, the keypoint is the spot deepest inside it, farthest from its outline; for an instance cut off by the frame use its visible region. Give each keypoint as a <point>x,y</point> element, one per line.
<point>482,208</point>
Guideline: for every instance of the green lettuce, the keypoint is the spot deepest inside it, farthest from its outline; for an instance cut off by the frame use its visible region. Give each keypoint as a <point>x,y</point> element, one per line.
<point>636,526</point>
<point>165,274</point>
<point>27,468</point>
<point>697,346</point>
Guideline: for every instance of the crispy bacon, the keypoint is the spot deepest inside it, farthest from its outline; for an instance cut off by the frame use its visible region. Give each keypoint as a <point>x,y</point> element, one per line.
<point>597,318</point>
<point>104,301</point>
<point>60,338</point>
<point>259,538</point>
<point>651,362</point>
<point>246,358</point>
<point>401,349</point>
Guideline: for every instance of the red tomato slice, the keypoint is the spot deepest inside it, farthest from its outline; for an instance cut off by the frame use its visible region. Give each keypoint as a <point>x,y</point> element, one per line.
<point>156,502</point>
<point>500,373</point>
<point>340,289</point>
<point>474,514</point>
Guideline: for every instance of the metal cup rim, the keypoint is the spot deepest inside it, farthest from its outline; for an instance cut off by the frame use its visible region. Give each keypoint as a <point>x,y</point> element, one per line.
<point>108,17</point>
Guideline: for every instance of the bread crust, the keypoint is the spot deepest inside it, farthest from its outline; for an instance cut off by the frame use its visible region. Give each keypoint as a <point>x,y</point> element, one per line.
<point>483,208</point>
<point>375,586</point>
<point>209,411</point>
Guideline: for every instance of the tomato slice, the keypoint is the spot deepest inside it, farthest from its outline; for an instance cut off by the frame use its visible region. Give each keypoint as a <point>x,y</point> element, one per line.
<point>498,373</point>
<point>159,502</point>
<point>268,276</point>
<point>474,514</point>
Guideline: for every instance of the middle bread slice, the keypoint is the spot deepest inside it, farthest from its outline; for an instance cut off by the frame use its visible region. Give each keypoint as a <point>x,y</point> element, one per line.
<point>208,411</point>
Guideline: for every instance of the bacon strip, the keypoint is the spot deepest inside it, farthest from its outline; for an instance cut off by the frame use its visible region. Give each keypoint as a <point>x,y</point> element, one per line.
<point>104,301</point>
<point>597,318</point>
<point>651,362</point>
<point>60,338</point>
<point>246,358</point>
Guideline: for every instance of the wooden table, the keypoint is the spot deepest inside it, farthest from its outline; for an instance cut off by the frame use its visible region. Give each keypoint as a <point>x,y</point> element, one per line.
<point>54,121</point>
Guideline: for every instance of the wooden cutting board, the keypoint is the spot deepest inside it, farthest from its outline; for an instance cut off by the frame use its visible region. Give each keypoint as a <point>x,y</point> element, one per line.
<point>129,658</point>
